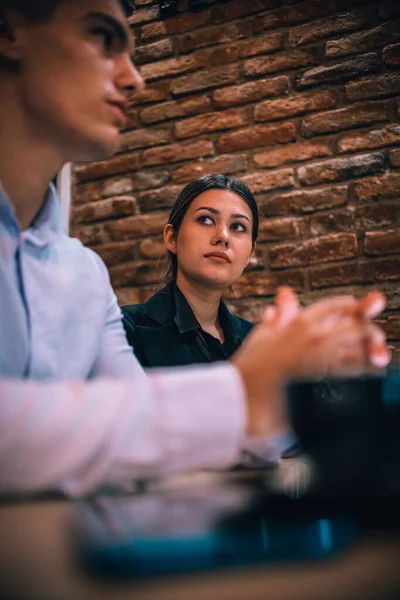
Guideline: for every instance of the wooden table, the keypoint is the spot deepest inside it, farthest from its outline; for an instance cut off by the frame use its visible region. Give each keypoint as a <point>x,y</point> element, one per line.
<point>38,562</point>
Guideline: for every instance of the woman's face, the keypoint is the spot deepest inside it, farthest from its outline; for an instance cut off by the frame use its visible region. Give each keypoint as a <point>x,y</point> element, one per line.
<point>214,243</point>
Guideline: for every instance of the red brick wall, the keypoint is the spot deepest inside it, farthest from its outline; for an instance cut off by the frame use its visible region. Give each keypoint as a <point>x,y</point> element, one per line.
<point>296,98</point>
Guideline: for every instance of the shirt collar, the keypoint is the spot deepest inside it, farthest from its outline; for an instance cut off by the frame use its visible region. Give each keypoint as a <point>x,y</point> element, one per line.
<point>186,321</point>
<point>47,225</point>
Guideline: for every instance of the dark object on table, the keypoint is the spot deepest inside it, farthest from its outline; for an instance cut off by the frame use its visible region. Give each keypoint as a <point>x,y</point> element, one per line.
<point>350,429</point>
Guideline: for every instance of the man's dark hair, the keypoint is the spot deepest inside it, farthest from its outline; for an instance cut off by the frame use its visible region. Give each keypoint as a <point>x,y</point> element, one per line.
<point>42,10</point>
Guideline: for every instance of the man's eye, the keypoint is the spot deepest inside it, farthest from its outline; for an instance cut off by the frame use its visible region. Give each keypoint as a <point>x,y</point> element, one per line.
<point>107,37</point>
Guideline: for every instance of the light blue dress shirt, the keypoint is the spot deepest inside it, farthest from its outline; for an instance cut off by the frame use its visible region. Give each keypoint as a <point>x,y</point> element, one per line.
<point>59,317</point>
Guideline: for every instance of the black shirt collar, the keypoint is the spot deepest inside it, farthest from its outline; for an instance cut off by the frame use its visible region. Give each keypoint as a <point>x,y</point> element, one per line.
<point>186,321</point>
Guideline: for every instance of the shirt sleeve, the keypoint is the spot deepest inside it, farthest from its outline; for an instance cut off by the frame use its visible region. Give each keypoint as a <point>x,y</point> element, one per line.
<point>115,357</point>
<point>75,437</point>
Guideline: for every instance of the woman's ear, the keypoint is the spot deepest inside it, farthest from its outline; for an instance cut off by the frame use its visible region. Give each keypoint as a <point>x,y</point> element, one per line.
<point>253,251</point>
<point>170,238</point>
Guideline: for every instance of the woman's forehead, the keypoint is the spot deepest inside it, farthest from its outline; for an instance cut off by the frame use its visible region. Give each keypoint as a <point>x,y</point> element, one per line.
<point>223,200</point>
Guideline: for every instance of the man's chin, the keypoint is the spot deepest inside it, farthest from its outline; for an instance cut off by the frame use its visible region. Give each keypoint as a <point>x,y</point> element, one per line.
<point>99,149</point>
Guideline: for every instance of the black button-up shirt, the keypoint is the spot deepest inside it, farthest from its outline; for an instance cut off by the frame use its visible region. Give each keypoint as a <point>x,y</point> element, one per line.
<point>165,332</point>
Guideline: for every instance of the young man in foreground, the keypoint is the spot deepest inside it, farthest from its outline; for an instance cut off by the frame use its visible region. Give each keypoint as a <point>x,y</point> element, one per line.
<point>76,410</point>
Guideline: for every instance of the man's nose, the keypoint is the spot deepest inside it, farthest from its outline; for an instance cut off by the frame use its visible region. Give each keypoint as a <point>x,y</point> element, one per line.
<point>130,79</point>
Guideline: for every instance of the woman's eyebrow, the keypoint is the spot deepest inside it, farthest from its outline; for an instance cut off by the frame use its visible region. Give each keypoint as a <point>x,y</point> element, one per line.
<point>217,212</point>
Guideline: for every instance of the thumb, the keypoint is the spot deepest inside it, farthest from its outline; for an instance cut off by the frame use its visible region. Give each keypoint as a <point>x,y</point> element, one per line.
<point>287,305</point>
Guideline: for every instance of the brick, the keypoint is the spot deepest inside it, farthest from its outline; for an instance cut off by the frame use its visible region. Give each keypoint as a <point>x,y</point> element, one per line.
<point>177,152</point>
<point>87,192</point>
<point>272,230</point>
<point>394,157</point>
<point>326,248</point>
<point>150,272</point>
<point>375,187</point>
<point>344,118</point>
<point>382,242</point>
<point>339,169</point>
<point>175,109</point>
<point>259,135</point>
<point>90,235</point>
<point>104,209</point>
<point>391,326</point>
<point>124,274</point>
<point>316,30</point>
<point>153,248</point>
<point>143,15</point>
<point>179,24</point>
<point>298,104</point>
<point>235,51</point>
<point>387,84</point>
<point>210,122</point>
<point>210,78</point>
<point>143,138</point>
<point>152,52</point>
<point>132,120</point>
<point>116,186</point>
<point>114,166</point>
<point>143,179</point>
<point>155,92</point>
<point>269,180</point>
<point>391,55</point>
<point>360,42</point>
<point>254,284</point>
<point>371,271</point>
<point>381,269</point>
<point>280,62</point>
<point>213,35</point>
<point>291,15</point>
<point>304,201</point>
<point>375,138</point>
<point>300,151</point>
<point>362,218</point>
<point>159,198</point>
<point>339,72</point>
<point>137,226</point>
<point>116,253</point>
<point>224,163</point>
<point>237,9</point>
<point>174,66</point>
<point>128,295</point>
<point>251,91</point>
<point>333,275</point>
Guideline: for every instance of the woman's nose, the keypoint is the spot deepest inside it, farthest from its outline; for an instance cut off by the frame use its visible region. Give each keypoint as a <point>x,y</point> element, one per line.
<point>222,237</point>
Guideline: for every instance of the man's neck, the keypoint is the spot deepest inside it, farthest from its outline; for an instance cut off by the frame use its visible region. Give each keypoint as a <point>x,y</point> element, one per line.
<point>204,302</point>
<point>27,164</point>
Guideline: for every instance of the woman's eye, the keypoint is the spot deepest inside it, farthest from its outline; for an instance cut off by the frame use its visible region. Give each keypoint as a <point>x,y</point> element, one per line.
<point>205,220</point>
<point>239,227</point>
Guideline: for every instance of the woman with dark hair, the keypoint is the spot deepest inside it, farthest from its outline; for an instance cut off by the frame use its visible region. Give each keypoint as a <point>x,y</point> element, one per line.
<point>210,237</point>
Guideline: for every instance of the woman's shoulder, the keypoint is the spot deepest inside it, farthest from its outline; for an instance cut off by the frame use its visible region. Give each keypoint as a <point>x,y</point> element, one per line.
<point>155,311</point>
<point>242,324</point>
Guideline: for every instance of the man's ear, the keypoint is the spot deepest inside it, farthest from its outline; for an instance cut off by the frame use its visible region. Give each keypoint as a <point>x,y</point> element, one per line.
<point>170,238</point>
<point>12,36</point>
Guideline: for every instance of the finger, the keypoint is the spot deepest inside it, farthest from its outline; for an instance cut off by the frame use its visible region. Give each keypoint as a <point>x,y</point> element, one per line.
<point>378,353</point>
<point>287,304</point>
<point>331,308</point>
<point>269,315</point>
<point>372,304</point>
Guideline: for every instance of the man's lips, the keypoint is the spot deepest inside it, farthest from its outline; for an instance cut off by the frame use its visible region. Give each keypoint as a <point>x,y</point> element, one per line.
<point>218,256</point>
<point>121,109</point>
